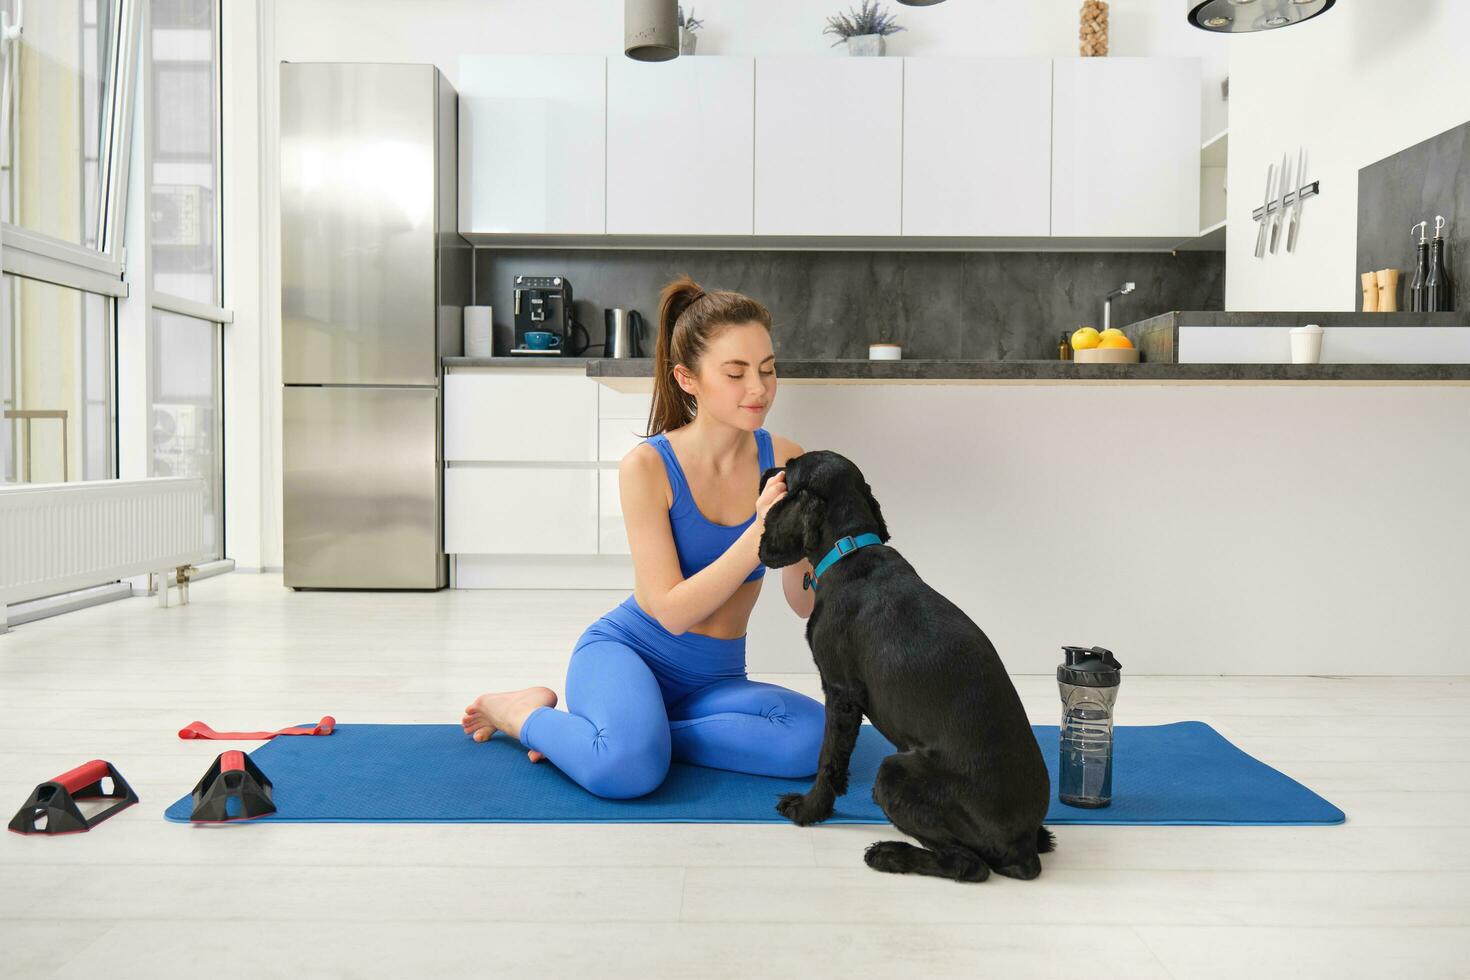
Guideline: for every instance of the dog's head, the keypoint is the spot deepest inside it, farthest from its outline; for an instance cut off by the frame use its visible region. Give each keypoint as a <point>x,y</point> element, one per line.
<point>826,498</point>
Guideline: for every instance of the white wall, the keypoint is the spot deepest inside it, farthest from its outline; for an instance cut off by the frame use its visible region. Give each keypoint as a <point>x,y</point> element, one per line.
<point>1357,84</point>
<point>441,31</point>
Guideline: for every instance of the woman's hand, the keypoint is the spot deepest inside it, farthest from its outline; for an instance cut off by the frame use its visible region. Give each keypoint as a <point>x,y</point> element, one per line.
<point>774,491</point>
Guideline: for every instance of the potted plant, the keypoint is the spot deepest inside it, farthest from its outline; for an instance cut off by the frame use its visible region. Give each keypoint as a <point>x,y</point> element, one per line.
<point>687,38</point>
<point>863,30</point>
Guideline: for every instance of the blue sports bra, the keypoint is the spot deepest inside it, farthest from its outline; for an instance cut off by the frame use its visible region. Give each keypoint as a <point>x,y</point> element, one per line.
<point>698,539</point>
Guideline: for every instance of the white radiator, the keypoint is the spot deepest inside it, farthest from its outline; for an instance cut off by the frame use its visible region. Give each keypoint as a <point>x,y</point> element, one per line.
<point>56,537</point>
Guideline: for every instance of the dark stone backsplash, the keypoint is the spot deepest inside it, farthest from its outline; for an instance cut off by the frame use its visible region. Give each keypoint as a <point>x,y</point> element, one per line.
<point>979,305</point>
<point>1429,178</point>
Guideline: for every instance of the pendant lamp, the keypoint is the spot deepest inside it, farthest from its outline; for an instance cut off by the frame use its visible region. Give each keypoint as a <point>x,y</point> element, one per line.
<point>1248,16</point>
<point>651,29</point>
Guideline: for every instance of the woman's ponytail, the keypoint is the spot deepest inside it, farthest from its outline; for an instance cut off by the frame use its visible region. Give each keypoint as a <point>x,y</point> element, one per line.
<point>672,406</point>
<point>687,318</point>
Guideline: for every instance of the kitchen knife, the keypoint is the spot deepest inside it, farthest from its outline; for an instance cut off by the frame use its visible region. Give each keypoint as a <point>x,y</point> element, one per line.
<point>1265,217</point>
<point>1296,207</point>
<point>1281,204</point>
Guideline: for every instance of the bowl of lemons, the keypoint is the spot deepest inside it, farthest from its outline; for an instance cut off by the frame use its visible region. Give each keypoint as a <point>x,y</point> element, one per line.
<point>1110,346</point>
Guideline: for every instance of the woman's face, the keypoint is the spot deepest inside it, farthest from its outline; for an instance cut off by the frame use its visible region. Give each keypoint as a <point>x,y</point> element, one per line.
<point>737,376</point>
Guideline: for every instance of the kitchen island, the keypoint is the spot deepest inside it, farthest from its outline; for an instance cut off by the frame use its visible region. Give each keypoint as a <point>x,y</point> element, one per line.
<point>1252,518</point>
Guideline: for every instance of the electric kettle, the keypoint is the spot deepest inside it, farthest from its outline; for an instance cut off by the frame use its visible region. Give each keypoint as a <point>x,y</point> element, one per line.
<point>624,336</point>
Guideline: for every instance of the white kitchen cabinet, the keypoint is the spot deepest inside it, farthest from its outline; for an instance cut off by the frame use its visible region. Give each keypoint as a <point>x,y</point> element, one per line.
<point>622,420</point>
<point>532,144</point>
<point>1125,147</point>
<point>679,150</point>
<point>612,533</point>
<point>828,146</point>
<point>617,437</point>
<point>533,455</point>
<point>510,510</point>
<point>526,415</point>
<point>977,146</point>
<point>613,404</point>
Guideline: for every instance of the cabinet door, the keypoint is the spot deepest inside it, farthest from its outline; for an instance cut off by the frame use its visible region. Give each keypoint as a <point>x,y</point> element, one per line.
<point>532,132</point>
<point>612,532</point>
<point>507,510</point>
<point>613,404</point>
<point>828,146</point>
<point>679,146</point>
<point>531,415</point>
<point>616,437</point>
<point>977,146</point>
<point>1125,147</point>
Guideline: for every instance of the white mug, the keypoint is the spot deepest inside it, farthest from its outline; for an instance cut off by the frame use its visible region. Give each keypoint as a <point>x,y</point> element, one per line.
<point>1306,344</point>
<point>885,352</point>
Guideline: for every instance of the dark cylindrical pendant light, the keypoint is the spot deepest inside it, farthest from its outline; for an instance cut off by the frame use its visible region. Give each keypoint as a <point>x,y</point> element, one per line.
<point>1247,16</point>
<point>651,29</point>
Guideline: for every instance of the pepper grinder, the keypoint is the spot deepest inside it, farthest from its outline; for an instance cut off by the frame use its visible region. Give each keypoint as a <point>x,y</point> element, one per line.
<point>1388,290</point>
<point>1370,292</point>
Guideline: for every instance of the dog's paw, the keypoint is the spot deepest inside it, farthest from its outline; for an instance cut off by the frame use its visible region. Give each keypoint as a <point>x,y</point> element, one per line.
<point>801,810</point>
<point>890,856</point>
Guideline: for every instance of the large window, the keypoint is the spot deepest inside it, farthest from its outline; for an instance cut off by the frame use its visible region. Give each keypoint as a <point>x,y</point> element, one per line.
<point>61,204</point>
<point>84,83</point>
<point>182,147</point>
<point>59,80</point>
<point>184,422</point>
<point>56,365</point>
<point>183,231</point>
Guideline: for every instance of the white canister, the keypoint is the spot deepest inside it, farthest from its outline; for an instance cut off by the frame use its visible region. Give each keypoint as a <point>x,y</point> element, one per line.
<point>884,352</point>
<point>477,331</point>
<point>1306,344</point>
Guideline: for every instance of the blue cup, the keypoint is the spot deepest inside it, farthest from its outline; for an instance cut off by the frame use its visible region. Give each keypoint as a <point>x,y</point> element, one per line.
<point>542,340</point>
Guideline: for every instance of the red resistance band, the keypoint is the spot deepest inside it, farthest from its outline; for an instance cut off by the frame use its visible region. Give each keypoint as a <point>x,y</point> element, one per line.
<point>199,729</point>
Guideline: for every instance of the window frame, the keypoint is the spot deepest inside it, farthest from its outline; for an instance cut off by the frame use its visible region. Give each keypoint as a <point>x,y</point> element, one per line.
<point>212,315</point>
<point>35,255</point>
<point>106,270</point>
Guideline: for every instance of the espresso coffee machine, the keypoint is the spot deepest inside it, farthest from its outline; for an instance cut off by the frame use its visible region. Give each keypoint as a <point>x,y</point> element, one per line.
<point>544,304</point>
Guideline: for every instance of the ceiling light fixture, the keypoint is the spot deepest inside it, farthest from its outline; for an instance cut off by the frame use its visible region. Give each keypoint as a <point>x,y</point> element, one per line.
<point>651,29</point>
<point>1246,16</point>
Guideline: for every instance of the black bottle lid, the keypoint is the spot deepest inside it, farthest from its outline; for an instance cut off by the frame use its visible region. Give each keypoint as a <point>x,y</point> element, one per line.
<point>1090,667</point>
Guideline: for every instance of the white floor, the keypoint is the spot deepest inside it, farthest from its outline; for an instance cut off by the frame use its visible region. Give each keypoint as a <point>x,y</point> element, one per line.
<point>1386,895</point>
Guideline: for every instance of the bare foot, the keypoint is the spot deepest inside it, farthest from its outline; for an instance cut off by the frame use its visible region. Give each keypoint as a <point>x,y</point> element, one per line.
<point>506,711</point>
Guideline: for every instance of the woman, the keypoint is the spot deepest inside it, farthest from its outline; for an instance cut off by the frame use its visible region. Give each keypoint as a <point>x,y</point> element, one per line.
<point>662,676</point>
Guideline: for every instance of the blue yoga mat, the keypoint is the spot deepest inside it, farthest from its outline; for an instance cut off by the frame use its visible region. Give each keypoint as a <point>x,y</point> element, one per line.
<point>1184,773</point>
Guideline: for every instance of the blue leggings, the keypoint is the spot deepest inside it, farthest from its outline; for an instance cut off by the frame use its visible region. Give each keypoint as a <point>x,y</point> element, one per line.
<point>638,697</point>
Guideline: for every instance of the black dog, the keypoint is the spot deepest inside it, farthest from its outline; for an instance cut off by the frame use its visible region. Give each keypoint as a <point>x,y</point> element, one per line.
<point>968,780</point>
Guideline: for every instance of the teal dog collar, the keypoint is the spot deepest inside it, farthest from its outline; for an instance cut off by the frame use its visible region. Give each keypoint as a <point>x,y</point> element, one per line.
<point>844,546</point>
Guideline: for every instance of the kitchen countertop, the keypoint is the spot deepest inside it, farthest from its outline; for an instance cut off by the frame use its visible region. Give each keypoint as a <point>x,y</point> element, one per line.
<point>633,373</point>
<point>1157,338</point>
<point>1218,318</point>
<point>519,360</point>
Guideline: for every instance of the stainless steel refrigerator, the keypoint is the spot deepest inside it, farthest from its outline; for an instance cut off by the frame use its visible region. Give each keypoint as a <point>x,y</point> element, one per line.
<point>374,278</point>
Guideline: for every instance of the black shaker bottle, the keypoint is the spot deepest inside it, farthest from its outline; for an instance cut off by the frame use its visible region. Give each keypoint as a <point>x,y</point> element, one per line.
<point>1088,679</point>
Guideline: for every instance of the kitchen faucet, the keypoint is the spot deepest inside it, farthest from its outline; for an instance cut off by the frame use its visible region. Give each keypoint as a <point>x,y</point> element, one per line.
<point>1122,290</point>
